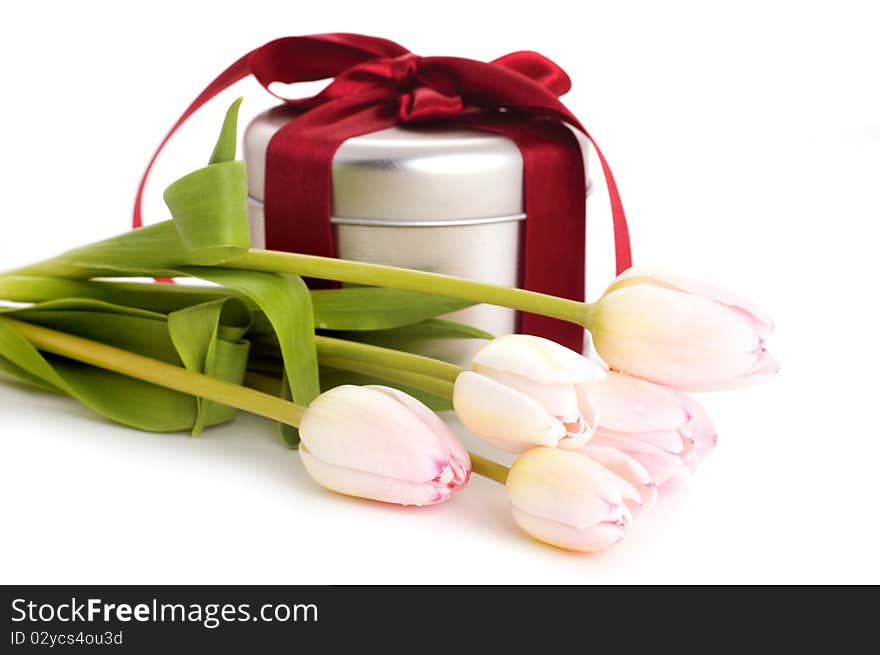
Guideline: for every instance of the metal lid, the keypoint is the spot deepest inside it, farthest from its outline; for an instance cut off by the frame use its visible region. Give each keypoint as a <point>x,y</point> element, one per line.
<point>405,175</point>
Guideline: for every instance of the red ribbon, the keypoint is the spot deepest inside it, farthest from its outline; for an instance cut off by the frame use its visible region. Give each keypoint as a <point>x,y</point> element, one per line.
<point>377,84</point>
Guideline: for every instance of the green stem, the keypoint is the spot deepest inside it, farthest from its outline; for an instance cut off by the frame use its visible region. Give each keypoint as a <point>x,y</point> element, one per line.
<point>204,386</point>
<point>263,382</point>
<point>158,372</point>
<point>380,356</point>
<point>480,465</point>
<point>37,289</point>
<point>488,468</point>
<point>438,387</point>
<point>432,375</point>
<point>354,272</point>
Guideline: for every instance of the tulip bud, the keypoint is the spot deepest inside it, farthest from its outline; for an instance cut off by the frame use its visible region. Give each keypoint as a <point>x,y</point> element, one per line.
<point>681,332</point>
<point>525,391</point>
<point>666,431</point>
<point>566,499</point>
<point>380,443</point>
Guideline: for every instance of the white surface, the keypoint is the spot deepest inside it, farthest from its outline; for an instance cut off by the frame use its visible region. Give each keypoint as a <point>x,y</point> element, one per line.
<point>746,142</point>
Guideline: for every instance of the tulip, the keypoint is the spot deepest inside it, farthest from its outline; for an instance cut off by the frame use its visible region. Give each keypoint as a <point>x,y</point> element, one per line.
<point>681,332</point>
<point>526,391</point>
<point>568,500</point>
<point>666,431</point>
<point>626,467</point>
<point>380,443</point>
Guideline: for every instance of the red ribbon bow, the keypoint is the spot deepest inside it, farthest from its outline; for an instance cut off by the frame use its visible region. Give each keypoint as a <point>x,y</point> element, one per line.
<point>377,84</point>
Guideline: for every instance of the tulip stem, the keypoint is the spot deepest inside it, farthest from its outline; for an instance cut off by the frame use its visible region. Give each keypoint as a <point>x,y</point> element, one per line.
<point>342,270</point>
<point>354,351</point>
<point>479,464</point>
<point>180,379</point>
<point>427,383</point>
<point>432,376</point>
<point>158,372</point>
<point>488,468</point>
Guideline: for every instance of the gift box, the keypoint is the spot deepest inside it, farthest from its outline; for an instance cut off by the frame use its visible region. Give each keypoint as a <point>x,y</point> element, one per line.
<point>446,164</point>
<point>435,198</point>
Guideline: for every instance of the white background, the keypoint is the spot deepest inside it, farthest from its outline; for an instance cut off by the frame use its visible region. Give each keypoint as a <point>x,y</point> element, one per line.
<point>746,142</point>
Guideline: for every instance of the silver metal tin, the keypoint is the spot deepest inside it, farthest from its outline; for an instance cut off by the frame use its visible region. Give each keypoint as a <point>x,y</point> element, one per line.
<point>434,199</point>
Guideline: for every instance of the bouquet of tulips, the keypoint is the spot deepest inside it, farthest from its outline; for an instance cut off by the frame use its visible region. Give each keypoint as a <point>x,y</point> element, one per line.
<point>335,367</point>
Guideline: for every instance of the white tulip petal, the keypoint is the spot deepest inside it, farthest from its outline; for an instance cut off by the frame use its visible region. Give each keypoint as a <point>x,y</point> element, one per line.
<point>563,486</point>
<point>588,540</point>
<point>672,441</point>
<point>458,454</point>
<point>699,429</point>
<point>696,286</point>
<point>559,399</point>
<point>764,368</point>
<point>619,463</point>
<point>627,491</point>
<point>672,338</point>
<point>363,484</point>
<point>537,359</point>
<point>627,468</point>
<point>367,430</point>
<point>503,416</point>
<point>630,404</point>
<point>661,465</point>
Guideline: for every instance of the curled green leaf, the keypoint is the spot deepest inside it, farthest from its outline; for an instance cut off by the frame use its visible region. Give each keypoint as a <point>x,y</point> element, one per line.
<point>374,308</point>
<point>224,150</point>
<point>210,205</point>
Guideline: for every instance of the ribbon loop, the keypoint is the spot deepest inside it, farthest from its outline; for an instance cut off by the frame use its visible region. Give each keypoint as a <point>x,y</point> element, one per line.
<point>403,71</point>
<point>424,104</point>
<point>538,68</point>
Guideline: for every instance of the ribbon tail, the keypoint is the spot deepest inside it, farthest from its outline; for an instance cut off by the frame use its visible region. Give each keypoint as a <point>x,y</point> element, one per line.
<point>298,195</point>
<point>289,59</point>
<point>622,248</point>
<point>552,248</point>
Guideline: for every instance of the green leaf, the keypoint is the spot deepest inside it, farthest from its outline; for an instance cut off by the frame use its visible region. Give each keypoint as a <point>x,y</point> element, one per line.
<point>332,377</point>
<point>20,356</point>
<point>210,205</point>
<point>214,331</point>
<point>17,372</point>
<point>117,397</point>
<point>227,235</point>
<point>224,150</point>
<point>195,332</point>
<point>167,298</point>
<point>437,328</point>
<point>373,308</point>
<point>286,303</point>
<point>288,433</point>
<point>161,298</point>
<point>138,330</point>
<point>404,337</point>
<point>155,250</point>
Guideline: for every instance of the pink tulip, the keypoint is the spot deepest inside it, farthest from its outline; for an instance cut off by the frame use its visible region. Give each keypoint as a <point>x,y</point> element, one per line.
<point>566,499</point>
<point>526,391</point>
<point>380,443</point>
<point>624,466</point>
<point>681,332</point>
<point>666,431</point>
